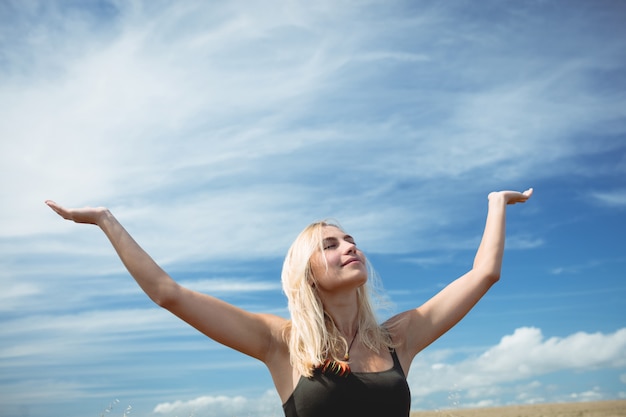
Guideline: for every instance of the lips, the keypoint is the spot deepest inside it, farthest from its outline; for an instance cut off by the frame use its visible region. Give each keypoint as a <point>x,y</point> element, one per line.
<point>351,260</point>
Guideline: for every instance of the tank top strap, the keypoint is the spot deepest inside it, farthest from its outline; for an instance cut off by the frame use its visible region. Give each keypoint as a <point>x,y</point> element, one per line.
<point>396,361</point>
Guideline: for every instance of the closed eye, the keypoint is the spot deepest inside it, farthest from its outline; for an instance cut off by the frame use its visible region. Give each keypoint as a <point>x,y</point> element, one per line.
<point>330,243</point>
<point>333,242</point>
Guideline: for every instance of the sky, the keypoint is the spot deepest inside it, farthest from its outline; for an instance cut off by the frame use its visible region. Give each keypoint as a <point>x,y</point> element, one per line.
<point>216,131</point>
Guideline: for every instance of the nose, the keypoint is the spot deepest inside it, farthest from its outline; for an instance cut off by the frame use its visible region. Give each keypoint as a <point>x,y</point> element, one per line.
<point>350,248</point>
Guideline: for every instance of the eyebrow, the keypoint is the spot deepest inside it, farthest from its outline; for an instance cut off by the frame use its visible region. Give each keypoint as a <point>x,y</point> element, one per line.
<point>334,239</point>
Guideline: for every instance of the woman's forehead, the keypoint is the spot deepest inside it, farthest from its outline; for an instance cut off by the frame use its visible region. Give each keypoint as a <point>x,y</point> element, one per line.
<point>330,230</point>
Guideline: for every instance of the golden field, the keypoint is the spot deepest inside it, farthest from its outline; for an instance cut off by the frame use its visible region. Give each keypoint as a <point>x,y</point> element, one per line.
<point>582,409</point>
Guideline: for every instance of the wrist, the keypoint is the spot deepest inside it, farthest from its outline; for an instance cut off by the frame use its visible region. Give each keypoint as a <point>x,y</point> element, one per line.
<point>496,197</point>
<point>104,217</point>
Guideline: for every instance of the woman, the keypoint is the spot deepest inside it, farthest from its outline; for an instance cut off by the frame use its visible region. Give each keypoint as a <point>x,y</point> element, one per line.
<point>331,358</point>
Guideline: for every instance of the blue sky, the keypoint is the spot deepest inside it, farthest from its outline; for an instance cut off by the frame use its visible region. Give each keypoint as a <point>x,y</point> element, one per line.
<point>216,131</point>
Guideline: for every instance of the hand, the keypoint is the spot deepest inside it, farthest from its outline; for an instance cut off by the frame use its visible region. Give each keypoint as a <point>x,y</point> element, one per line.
<point>511,197</point>
<point>88,215</point>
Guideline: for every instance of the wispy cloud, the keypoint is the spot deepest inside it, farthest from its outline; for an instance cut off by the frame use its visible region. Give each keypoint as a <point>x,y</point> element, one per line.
<point>216,131</point>
<point>192,119</point>
<point>588,265</point>
<point>222,286</point>
<point>614,198</point>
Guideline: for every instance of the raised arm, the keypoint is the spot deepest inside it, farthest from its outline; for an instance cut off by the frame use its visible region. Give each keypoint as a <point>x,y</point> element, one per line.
<point>428,322</point>
<point>252,334</point>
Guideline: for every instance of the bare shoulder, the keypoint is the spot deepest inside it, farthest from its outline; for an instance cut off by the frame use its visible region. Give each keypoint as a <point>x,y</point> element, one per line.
<point>398,327</point>
<point>405,329</point>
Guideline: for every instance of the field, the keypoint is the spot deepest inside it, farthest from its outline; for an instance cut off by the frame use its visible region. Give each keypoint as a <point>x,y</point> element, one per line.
<point>581,409</point>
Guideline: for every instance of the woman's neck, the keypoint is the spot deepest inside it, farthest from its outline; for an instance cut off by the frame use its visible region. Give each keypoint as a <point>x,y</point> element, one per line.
<point>344,314</point>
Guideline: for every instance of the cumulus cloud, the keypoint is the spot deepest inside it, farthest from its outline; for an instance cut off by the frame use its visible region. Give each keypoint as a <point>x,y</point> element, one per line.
<point>523,355</point>
<point>267,404</point>
<point>594,394</point>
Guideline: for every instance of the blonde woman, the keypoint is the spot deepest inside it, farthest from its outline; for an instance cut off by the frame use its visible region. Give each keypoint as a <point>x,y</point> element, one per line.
<point>331,358</point>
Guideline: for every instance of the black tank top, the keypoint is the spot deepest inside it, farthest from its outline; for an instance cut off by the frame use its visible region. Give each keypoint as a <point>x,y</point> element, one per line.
<point>362,394</point>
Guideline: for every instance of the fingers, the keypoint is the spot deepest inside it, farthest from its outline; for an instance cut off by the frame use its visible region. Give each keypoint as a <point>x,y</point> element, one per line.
<point>521,197</point>
<point>86,215</point>
<point>59,210</point>
<point>526,195</point>
<point>512,197</point>
<point>54,206</point>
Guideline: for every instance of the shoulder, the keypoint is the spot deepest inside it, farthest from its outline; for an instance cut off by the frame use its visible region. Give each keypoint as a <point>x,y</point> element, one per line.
<point>400,329</point>
<point>404,329</point>
<point>397,328</point>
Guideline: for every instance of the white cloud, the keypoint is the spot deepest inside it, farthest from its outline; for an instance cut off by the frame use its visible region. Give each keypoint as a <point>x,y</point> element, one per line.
<point>228,106</point>
<point>594,394</point>
<point>121,115</point>
<point>523,355</point>
<point>585,267</point>
<point>613,198</point>
<point>42,390</point>
<point>222,286</point>
<point>524,242</point>
<point>531,393</point>
<point>267,404</point>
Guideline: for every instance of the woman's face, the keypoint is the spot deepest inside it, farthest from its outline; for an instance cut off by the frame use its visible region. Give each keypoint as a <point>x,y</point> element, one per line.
<point>340,265</point>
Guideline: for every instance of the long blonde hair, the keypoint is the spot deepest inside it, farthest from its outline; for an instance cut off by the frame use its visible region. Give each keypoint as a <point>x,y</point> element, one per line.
<point>311,334</point>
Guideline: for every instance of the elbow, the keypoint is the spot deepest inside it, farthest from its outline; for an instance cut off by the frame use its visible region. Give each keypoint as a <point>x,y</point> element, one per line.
<point>163,302</point>
<point>490,275</point>
<point>166,296</point>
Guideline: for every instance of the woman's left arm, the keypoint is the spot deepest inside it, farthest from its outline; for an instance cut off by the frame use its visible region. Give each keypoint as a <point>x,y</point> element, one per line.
<point>425,324</point>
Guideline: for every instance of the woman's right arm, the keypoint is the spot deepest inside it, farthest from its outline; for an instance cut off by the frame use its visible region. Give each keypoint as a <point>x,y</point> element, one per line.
<point>252,334</point>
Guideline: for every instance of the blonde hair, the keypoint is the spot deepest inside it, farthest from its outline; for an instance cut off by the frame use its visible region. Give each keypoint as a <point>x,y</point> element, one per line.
<point>311,334</point>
